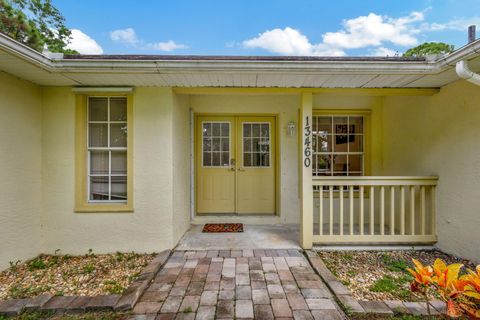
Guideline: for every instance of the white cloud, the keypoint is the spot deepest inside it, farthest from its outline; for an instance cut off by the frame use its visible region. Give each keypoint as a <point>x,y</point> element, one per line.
<point>169,45</point>
<point>460,24</point>
<point>371,30</point>
<point>129,37</point>
<point>83,43</point>
<point>126,36</point>
<point>384,52</point>
<point>289,41</point>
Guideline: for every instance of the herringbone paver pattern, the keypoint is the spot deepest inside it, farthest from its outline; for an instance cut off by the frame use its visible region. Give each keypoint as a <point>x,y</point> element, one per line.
<point>237,284</point>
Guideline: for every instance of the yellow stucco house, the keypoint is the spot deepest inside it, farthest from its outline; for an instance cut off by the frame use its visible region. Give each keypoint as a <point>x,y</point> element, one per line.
<point>121,153</point>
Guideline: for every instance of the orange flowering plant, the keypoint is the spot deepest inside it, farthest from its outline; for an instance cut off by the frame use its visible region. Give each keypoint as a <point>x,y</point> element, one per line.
<point>461,293</point>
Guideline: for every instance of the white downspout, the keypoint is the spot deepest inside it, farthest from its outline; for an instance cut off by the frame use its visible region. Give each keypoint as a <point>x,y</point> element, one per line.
<point>465,73</point>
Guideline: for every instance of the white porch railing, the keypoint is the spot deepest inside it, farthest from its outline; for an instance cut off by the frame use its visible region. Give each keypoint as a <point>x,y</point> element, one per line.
<point>372,209</point>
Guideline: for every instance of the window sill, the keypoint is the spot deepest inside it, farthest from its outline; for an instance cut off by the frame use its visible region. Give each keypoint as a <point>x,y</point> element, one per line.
<point>100,208</point>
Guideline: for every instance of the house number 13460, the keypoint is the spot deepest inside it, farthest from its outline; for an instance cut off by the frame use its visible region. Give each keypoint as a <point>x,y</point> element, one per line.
<point>307,149</point>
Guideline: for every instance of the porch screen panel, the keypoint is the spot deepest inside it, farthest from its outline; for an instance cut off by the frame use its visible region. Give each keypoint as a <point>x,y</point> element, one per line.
<point>216,144</point>
<point>338,145</point>
<point>256,144</point>
<point>107,149</point>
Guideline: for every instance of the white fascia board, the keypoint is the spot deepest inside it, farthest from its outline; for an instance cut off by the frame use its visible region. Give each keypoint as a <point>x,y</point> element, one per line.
<point>192,66</point>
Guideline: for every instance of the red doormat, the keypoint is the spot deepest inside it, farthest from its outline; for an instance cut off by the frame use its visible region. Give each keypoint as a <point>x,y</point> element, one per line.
<point>223,227</point>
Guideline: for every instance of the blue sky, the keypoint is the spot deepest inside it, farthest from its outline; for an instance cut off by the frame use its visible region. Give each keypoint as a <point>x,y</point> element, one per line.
<point>258,27</point>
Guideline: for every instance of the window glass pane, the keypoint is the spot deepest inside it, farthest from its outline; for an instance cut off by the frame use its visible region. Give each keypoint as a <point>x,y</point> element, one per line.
<point>355,143</point>
<point>225,130</point>
<point>99,188</point>
<point>265,160</point>
<point>324,124</point>
<point>207,130</point>
<point>340,163</point>
<point>247,159</point>
<point>225,144</point>
<point>216,129</point>
<point>356,125</point>
<point>216,159</point>
<point>247,144</point>
<point>118,135</point>
<point>119,188</point>
<point>98,135</point>
<point>265,130</point>
<point>247,130</point>
<point>355,163</point>
<point>207,144</point>
<point>98,109</point>
<point>340,121</point>
<point>119,162</point>
<point>225,159</point>
<point>118,109</point>
<point>324,165</point>
<point>216,144</point>
<point>99,162</point>
<point>256,144</point>
<point>341,143</point>
<point>256,130</point>
<point>322,143</point>
<point>207,159</point>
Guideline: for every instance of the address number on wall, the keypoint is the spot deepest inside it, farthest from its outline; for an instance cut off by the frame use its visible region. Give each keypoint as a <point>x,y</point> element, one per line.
<point>307,144</point>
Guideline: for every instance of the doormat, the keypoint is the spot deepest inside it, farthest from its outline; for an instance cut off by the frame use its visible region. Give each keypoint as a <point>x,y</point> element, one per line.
<point>223,227</point>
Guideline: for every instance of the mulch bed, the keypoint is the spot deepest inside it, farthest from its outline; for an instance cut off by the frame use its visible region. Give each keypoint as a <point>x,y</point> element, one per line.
<point>223,227</point>
<point>381,275</point>
<point>88,275</point>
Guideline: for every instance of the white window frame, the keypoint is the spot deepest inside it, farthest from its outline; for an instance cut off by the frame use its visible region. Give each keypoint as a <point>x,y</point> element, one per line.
<point>108,149</point>
<point>333,153</point>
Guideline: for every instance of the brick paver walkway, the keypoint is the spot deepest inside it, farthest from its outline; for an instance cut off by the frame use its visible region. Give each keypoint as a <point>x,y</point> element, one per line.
<point>237,284</point>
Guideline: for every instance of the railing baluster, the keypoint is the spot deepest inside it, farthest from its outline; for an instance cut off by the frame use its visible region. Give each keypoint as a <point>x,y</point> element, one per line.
<point>320,204</point>
<point>422,209</point>
<point>392,210</point>
<point>372,210</point>
<point>351,209</point>
<point>402,210</point>
<point>330,196</point>
<point>382,210</point>
<point>362,222</point>
<point>341,210</point>
<point>412,210</point>
<point>433,210</point>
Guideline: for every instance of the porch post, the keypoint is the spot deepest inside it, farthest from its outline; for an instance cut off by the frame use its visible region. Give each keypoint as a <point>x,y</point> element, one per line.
<point>305,171</point>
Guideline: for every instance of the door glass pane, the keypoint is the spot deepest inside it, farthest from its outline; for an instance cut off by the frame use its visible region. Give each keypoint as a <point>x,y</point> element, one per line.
<point>98,109</point>
<point>99,188</point>
<point>216,144</point>
<point>118,109</point>
<point>99,162</point>
<point>118,135</point>
<point>98,135</point>
<point>256,144</point>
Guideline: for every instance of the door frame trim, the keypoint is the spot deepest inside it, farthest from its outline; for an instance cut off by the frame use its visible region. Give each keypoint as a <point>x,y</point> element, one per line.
<point>276,117</point>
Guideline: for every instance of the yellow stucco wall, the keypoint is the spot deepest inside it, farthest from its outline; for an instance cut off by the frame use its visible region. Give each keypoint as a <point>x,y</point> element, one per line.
<point>149,227</point>
<point>20,170</point>
<point>439,135</point>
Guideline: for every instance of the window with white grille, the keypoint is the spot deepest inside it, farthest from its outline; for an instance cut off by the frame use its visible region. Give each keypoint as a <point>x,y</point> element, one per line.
<point>338,145</point>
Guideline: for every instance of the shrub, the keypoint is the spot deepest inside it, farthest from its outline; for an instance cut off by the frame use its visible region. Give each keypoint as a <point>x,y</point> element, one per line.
<point>461,293</point>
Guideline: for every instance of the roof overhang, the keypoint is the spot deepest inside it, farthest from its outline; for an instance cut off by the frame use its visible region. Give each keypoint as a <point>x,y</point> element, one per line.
<point>215,71</point>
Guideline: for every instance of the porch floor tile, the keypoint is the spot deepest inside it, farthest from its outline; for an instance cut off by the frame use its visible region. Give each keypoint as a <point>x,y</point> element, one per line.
<point>248,243</point>
<point>235,292</point>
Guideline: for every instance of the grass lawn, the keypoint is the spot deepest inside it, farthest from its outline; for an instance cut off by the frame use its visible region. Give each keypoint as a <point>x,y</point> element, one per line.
<point>86,275</point>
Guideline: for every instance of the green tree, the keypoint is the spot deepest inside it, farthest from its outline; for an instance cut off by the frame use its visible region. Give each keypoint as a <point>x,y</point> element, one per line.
<point>429,48</point>
<point>35,23</point>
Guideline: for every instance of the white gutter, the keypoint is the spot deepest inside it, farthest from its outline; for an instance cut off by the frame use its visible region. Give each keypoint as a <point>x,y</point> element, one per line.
<point>465,73</point>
